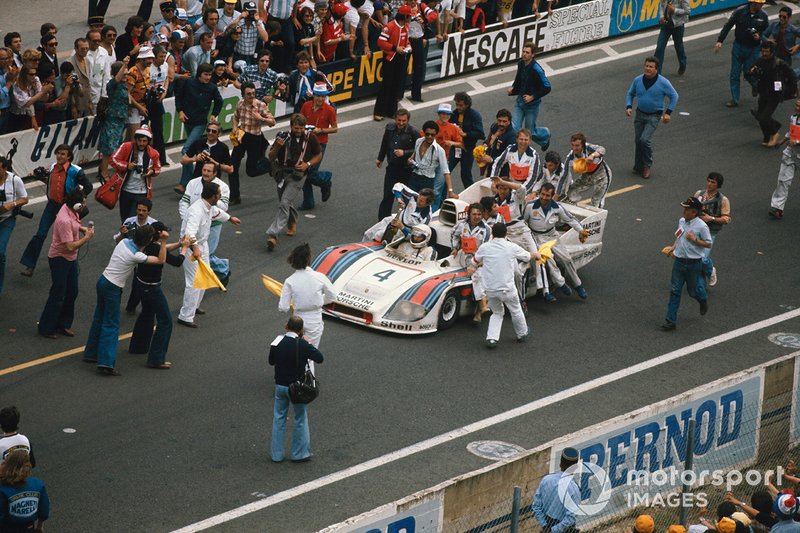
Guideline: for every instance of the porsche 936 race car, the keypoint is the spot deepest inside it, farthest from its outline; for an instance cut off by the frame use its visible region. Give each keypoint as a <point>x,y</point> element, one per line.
<point>380,288</point>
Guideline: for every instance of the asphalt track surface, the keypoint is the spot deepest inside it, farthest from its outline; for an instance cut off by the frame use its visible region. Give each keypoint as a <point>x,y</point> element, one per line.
<point>159,451</point>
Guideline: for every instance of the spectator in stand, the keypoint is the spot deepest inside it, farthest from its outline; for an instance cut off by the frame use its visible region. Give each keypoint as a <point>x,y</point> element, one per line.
<point>129,42</point>
<point>12,440</point>
<point>8,75</point>
<point>64,176</point>
<point>308,40</point>
<point>167,24</point>
<point>99,64</point>
<point>49,51</point>
<point>136,162</point>
<point>13,41</point>
<point>421,15</point>
<point>28,90</point>
<point>101,346</point>
<point>59,310</point>
<point>175,61</point>
<point>154,98</point>
<point>644,524</point>
<point>760,508</point>
<point>109,36</point>
<point>332,33</point>
<point>112,129</point>
<point>320,114</point>
<point>228,16</point>
<point>394,44</point>
<point>449,138</point>
<point>261,76</point>
<point>397,146</point>
<point>302,80</point>
<point>226,44</point>
<point>470,127</point>
<point>193,103</point>
<point>282,12</point>
<point>199,54</point>
<point>250,116</point>
<point>138,80</point>
<point>12,196</point>
<point>58,103</point>
<point>252,31</point>
<point>530,86</point>
<point>17,485</point>
<point>209,25</point>
<point>81,93</point>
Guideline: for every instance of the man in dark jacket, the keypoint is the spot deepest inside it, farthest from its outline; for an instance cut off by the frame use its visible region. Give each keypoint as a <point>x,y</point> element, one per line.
<point>289,354</point>
<point>772,74</point>
<point>193,104</point>
<point>530,85</point>
<point>471,125</point>
<point>397,146</point>
<point>750,21</point>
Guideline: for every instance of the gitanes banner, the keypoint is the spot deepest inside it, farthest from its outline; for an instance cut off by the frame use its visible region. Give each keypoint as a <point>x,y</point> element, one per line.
<point>568,26</point>
<point>34,148</point>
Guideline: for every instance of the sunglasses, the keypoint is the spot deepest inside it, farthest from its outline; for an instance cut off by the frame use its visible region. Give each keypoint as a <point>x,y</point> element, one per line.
<point>212,130</point>
<point>52,44</point>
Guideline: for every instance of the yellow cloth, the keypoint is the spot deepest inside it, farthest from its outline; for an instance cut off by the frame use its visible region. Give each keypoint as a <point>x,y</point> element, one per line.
<point>205,277</point>
<point>546,251</point>
<point>272,285</point>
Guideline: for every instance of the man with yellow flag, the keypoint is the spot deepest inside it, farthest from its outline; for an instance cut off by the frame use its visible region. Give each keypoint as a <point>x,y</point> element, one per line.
<point>198,228</point>
<point>542,216</point>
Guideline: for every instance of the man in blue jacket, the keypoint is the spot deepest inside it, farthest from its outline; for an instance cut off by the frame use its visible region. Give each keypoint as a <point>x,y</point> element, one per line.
<point>649,89</point>
<point>530,85</point>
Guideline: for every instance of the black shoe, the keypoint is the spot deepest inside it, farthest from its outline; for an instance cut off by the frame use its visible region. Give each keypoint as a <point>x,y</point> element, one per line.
<point>105,371</point>
<point>235,201</point>
<point>546,145</point>
<point>491,344</point>
<point>704,307</point>
<point>199,311</point>
<point>416,99</point>
<point>326,193</point>
<point>130,311</point>
<point>187,323</point>
<point>225,280</point>
<point>305,208</point>
<point>668,325</point>
<point>681,70</point>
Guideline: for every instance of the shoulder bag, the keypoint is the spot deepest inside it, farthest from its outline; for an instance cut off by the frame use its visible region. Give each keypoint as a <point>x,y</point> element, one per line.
<point>306,388</point>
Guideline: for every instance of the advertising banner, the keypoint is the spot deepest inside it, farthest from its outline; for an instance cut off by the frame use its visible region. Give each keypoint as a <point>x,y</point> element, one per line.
<point>632,15</point>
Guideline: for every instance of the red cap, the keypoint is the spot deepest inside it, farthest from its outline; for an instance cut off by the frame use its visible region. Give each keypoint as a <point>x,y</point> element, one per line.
<point>339,9</point>
<point>404,10</point>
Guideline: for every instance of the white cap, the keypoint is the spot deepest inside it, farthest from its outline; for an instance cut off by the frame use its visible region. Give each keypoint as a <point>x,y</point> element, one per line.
<point>445,108</point>
<point>144,131</point>
<point>145,52</point>
<point>181,14</point>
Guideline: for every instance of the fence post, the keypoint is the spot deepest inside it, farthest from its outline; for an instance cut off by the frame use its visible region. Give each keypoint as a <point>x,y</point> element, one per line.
<point>515,509</point>
<point>687,465</point>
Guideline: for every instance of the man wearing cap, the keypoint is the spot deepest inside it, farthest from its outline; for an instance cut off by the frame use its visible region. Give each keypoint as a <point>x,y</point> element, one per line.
<point>138,81</point>
<point>750,22</point>
<point>250,116</point>
<point>716,213</point>
<point>530,86</point>
<point>586,170</point>
<point>228,16</point>
<point>449,138</point>
<point>790,160</point>
<point>252,30</point>
<point>548,507</point>
<point>691,239</point>
<point>650,90</point>
<point>499,258</point>
<point>786,506</point>
<point>136,162</point>
<point>199,53</point>
<point>167,23</point>
<point>320,114</point>
<point>261,76</point>
<point>394,43</point>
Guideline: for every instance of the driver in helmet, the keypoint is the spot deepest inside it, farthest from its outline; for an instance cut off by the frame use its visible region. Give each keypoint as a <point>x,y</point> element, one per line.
<point>416,244</point>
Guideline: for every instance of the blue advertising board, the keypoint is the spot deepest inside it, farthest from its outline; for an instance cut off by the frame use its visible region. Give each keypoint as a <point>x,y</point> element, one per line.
<point>632,15</point>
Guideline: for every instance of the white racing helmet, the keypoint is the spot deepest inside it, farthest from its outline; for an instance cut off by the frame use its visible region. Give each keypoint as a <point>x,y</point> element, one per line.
<point>420,235</point>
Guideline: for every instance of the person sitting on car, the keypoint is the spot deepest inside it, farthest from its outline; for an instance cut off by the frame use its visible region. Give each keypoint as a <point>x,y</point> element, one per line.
<point>415,208</point>
<point>416,244</point>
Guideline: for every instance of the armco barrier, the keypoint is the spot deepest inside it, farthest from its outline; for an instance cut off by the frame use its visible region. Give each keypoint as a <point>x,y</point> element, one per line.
<point>738,419</point>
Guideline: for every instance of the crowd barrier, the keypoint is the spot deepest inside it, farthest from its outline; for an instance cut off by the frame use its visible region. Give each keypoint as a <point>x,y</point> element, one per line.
<point>750,419</point>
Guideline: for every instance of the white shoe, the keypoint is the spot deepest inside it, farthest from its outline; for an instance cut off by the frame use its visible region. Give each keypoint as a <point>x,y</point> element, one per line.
<point>712,279</point>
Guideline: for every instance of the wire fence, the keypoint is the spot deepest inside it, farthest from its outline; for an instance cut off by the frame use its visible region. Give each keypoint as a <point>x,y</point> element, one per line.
<point>736,457</point>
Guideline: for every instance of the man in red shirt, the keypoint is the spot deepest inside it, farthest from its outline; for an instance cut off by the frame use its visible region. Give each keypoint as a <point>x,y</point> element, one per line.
<point>332,33</point>
<point>396,49</point>
<point>322,117</point>
<point>59,311</point>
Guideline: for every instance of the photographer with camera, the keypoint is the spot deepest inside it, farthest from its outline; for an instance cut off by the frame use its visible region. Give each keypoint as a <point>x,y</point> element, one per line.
<point>57,104</point>
<point>250,115</point>
<point>12,197</point>
<point>63,177</point>
<point>127,231</point>
<point>81,80</point>
<point>136,162</point>
<point>293,153</point>
<point>59,310</point>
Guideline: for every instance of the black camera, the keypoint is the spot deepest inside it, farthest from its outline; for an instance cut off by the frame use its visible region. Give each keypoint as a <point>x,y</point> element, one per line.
<point>16,210</point>
<point>73,77</point>
<point>283,135</point>
<point>41,174</point>
<point>139,169</point>
<point>130,226</point>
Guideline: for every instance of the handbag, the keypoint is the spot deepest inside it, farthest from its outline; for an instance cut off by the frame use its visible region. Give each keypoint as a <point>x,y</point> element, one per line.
<point>108,193</point>
<point>306,388</point>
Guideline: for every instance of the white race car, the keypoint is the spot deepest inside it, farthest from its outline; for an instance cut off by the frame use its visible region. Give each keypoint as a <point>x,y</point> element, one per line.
<point>382,289</point>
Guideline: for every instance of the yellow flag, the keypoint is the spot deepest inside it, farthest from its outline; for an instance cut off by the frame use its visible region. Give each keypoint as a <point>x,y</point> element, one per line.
<point>205,278</point>
<point>546,251</point>
<point>272,285</point>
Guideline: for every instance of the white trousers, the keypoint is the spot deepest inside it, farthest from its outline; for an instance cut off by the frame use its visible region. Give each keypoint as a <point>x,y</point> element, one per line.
<point>498,301</point>
<point>313,328</point>
<point>520,234</point>
<point>789,161</point>
<point>191,296</point>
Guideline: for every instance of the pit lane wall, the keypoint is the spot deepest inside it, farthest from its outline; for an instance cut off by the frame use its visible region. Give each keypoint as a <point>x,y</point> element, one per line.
<point>737,419</point>
<point>463,53</point>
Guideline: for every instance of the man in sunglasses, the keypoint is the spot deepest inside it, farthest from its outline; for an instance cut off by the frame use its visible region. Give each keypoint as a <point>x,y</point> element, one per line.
<point>167,24</point>
<point>48,48</point>
<point>208,149</point>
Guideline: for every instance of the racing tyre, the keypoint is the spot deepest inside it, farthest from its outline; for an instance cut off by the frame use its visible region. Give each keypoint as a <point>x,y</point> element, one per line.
<point>449,311</point>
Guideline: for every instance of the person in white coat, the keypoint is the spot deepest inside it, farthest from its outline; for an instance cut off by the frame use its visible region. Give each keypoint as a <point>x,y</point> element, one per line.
<point>499,258</point>
<point>304,293</point>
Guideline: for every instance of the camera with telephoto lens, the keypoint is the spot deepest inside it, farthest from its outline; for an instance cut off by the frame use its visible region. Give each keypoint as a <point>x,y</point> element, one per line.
<point>17,210</point>
<point>130,226</point>
<point>153,95</point>
<point>283,135</point>
<point>41,174</point>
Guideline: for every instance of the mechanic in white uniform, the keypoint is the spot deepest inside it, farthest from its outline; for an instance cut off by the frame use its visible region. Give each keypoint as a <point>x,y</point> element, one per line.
<point>467,236</point>
<point>499,259</point>
<point>520,162</point>
<point>594,178</point>
<point>542,216</point>
<point>415,208</point>
<point>304,293</point>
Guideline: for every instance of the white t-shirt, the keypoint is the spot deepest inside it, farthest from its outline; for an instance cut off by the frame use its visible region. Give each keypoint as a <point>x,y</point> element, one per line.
<point>14,189</point>
<point>125,257</point>
<point>135,182</point>
<point>351,18</point>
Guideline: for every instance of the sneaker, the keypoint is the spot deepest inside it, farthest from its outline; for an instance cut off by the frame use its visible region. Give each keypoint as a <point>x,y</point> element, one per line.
<point>775,213</point>
<point>581,292</point>
<point>491,344</point>
<point>704,307</point>
<point>668,325</point>
<point>565,290</point>
<point>549,297</point>
<point>712,279</point>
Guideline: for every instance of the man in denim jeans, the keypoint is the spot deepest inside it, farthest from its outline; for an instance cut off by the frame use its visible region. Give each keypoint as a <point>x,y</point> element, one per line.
<point>691,239</point>
<point>530,85</point>
<point>289,354</point>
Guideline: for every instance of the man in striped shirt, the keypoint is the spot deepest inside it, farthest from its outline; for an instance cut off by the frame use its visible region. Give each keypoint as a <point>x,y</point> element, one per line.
<point>250,115</point>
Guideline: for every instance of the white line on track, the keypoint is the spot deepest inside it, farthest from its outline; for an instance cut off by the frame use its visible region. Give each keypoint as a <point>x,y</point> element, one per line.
<point>483,424</point>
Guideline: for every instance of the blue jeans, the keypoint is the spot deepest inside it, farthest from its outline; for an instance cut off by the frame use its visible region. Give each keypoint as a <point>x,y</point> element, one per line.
<point>193,134</point>
<point>301,439</point>
<point>419,182</point>
<point>440,188</point>
<point>676,32</point>
<point>690,272</point>
<point>101,346</point>
<point>742,58</point>
<point>644,126</point>
<point>155,308</point>
<point>31,254</point>
<point>59,311</point>
<point>708,264</point>
<point>466,161</point>
<point>308,186</point>
<point>529,113</point>
<point>219,265</point>
<point>6,227</point>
